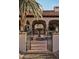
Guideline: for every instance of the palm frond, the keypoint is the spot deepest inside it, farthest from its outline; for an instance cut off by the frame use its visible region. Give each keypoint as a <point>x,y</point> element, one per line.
<point>31,6</point>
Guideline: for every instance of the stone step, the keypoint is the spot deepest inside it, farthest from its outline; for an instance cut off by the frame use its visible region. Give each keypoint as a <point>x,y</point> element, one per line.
<point>39,45</point>
<point>40,56</point>
<point>41,42</point>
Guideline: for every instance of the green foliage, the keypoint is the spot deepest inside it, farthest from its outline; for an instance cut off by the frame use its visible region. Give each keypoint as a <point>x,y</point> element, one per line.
<point>30,6</point>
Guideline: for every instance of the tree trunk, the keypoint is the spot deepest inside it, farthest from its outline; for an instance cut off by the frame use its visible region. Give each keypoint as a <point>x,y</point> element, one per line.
<point>23,21</point>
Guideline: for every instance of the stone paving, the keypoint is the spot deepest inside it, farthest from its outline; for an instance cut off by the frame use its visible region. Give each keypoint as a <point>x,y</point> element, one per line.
<point>40,56</point>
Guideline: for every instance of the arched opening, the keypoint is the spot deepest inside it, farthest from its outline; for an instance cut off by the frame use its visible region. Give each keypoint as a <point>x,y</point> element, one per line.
<point>54,25</point>
<point>38,27</point>
<point>27,27</point>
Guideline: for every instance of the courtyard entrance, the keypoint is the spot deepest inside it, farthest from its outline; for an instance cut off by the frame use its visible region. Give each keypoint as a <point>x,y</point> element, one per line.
<point>39,40</point>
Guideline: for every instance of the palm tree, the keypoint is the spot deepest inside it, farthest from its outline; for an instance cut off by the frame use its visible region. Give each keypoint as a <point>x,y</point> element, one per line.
<point>29,6</point>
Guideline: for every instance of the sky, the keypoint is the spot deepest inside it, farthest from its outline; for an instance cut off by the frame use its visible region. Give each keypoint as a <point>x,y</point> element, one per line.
<point>48,4</point>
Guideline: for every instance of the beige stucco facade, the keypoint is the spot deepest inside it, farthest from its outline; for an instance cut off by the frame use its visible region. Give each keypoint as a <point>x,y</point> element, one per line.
<point>48,17</point>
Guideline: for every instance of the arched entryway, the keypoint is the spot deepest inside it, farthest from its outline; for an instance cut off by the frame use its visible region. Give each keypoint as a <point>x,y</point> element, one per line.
<point>39,27</point>
<point>27,26</point>
<point>54,25</point>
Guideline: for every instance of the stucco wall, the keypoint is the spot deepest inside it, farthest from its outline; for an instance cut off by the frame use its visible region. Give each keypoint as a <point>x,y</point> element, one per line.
<point>55,42</point>
<point>22,42</point>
